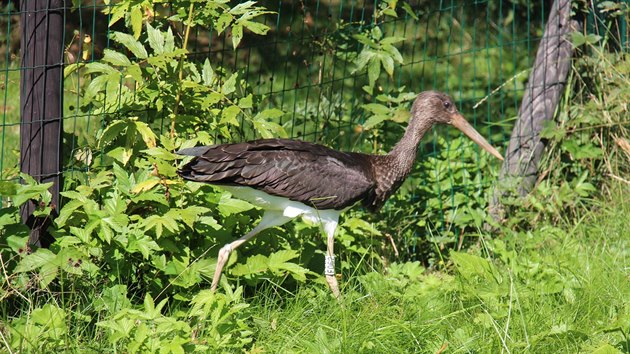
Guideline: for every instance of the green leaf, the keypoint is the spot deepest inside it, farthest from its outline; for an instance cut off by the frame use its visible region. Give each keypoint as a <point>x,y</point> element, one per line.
<point>409,10</point>
<point>388,64</point>
<point>237,35</point>
<point>229,85</point>
<point>191,214</point>
<point>228,206</point>
<point>207,74</point>
<point>229,114</point>
<point>256,27</point>
<point>246,102</point>
<point>133,45</point>
<point>254,265</point>
<point>374,121</point>
<point>35,260</point>
<point>471,266</point>
<point>136,20</point>
<point>156,40</point>
<point>269,130</point>
<point>30,191</point>
<point>115,58</point>
<point>224,20</point>
<point>376,108</point>
<point>374,70</point>
<point>146,133</point>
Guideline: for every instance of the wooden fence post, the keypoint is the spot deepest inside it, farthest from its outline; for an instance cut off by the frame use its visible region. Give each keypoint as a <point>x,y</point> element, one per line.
<point>41,103</point>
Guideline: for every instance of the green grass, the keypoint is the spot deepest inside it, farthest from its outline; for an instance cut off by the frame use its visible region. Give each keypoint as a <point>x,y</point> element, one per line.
<point>555,290</point>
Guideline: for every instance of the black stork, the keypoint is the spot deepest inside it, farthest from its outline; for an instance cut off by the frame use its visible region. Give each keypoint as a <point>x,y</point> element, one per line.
<point>291,178</point>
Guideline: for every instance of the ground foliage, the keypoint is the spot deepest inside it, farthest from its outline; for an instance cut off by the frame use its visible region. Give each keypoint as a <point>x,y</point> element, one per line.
<point>135,245</point>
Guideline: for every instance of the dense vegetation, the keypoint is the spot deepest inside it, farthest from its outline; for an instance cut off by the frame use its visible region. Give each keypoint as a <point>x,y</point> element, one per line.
<point>135,246</point>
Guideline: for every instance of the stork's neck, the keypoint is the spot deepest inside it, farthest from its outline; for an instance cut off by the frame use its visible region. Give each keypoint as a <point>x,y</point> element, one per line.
<point>404,153</point>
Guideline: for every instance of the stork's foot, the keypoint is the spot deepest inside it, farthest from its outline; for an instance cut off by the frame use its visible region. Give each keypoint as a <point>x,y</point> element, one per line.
<point>224,255</point>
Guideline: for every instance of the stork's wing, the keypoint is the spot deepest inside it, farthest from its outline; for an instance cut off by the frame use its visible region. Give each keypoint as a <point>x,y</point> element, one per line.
<point>305,172</point>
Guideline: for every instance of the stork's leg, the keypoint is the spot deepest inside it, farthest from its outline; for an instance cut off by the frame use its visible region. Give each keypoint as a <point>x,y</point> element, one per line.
<point>269,219</point>
<point>329,266</point>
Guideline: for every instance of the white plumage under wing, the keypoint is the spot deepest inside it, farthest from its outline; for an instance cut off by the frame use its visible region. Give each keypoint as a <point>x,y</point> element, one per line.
<point>289,208</point>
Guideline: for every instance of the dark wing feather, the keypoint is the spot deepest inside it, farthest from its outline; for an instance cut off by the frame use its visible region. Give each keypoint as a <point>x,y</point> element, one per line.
<point>301,171</point>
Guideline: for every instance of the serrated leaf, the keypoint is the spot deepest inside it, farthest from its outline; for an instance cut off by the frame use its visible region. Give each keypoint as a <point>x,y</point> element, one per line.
<point>376,108</point>
<point>254,265</point>
<point>136,20</point>
<point>155,38</point>
<point>146,133</point>
<point>237,35</point>
<point>256,27</point>
<point>374,121</point>
<point>191,214</point>
<point>229,85</point>
<point>229,114</point>
<point>132,44</point>
<point>279,257</point>
<point>374,69</point>
<point>224,20</point>
<point>35,260</point>
<point>388,64</point>
<point>228,206</point>
<point>207,74</point>
<point>145,185</point>
<point>409,10</point>
<point>71,68</point>
<point>246,102</point>
<point>30,191</point>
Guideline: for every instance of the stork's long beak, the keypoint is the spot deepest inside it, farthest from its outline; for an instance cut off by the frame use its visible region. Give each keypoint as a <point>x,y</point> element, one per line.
<point>460,123</point>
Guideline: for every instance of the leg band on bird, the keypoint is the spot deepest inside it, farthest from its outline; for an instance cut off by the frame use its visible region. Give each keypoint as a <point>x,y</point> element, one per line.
<point>329,265</point>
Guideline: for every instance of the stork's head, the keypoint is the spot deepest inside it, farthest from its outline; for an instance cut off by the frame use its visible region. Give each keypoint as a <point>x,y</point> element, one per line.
<point>439,108</point>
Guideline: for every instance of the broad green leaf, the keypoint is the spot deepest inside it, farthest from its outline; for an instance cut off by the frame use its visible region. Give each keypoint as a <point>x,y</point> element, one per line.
<point>256,27</point>
<point>376,108</point>
<point>374,121</point>
<point>146,133</point>
<point>132,44</point>
<point>145,185</point>
<point>229,85</point>
<point>470,266</point>
<point>277,258</point>
<point>269,130</point>
<point>374,70</point>
<point>229,115</point>
<point>246,102</point>
<point>254,265</point>
<point>35,260</point>
<point>237,35</point>
<point>207,74</point>
<point>388,64</point>
<point>409,10</point>
<point>67,211</point>
<point>30,191</point>
<point>224,20</point>
<point>191,214</point>
<point>228,206</point>
<point>156,40</point>
<point>136,20</point>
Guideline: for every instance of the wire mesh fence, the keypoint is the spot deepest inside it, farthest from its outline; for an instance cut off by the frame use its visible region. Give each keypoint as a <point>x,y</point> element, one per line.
<point>480,52</point>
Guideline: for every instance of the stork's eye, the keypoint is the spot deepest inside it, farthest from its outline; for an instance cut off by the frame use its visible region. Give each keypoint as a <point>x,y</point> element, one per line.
<point>447,105</point>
